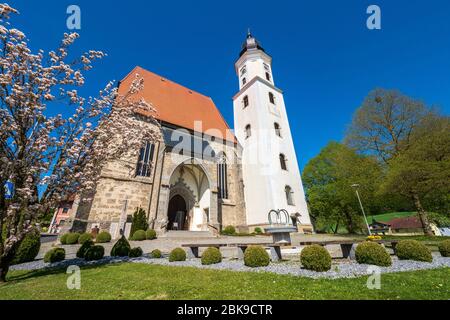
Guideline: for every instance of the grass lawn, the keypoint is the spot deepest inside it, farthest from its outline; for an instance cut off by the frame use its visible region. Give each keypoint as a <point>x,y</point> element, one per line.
<point>389,216</point>
<point>141,281</point>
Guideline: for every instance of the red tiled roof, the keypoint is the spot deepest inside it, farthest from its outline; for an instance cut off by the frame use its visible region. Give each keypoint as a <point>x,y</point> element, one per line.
<point>178,105</point>
<point>406,223</point>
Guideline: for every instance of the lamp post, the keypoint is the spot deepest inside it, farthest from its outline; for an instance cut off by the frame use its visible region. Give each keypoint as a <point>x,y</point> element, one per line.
<point>356,186</point>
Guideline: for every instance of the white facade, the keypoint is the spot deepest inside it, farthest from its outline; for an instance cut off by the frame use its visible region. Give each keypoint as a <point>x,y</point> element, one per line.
<point>262,128</point>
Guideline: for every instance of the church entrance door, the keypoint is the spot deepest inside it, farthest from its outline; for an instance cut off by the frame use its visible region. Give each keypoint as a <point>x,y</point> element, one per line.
<point>177,213</point>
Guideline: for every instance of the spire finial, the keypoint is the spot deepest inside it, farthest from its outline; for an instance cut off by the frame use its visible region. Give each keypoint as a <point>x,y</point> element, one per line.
<point>249,34</point>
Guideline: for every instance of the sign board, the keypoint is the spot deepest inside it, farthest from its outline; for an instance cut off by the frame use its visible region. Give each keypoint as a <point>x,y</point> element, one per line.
<point>9,190</point>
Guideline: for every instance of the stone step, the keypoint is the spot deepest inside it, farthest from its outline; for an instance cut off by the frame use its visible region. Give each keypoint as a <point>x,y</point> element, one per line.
<point>186,234</point>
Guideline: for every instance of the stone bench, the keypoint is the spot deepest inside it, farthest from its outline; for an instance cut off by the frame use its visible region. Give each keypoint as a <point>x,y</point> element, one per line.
<point>192,249</point>
<point>348,247</point>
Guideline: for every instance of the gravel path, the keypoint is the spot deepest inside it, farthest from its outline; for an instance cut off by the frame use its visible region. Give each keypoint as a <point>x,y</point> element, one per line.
<point>339,269</point>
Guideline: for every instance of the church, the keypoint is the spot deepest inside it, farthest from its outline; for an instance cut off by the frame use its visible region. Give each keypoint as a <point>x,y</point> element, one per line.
<point>201,175</point>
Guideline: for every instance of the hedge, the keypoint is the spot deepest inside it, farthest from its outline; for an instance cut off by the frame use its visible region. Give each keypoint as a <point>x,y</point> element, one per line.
<point>121,248</point>
<point>84,237</point>
<point>135,252</point>
<point>55,255</point>
<point>256,256</point>
<point>103,237</point>
<point>81,253</point>
<point>156,254</point>
<point>315,258</point>
<point>211,256</point>
<point>139,235</point>
<point>95,253</point>
<point>177,254</point>
<point>372,253</point>
<point>444,248</point>
<point>28,248</point>
<point>150,234</point>
<point>413,250</point>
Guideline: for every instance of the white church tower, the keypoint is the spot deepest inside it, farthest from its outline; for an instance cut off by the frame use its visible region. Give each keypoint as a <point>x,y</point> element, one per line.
<point>270,169</point>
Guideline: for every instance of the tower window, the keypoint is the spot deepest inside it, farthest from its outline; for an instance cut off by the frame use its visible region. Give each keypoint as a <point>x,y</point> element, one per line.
<point>145,159</point>
<point>283,162</point>
<point>248,131</point>
<point>243,70</point>
<point>222,177</point>
<point>245,101</point>
<point>244,81</point>
<point>266,67</point>
<point>277,129</point>
<point>271,98</point>
<point>268,76</point>
<point>289,197</point>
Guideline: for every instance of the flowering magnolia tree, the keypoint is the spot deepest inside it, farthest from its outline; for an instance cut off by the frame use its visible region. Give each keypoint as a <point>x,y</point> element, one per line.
<point>40,149</point>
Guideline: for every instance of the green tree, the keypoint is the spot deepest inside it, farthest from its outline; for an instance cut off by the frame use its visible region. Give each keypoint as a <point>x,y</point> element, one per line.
<point>139,221</point>
<point>328,179</point>
<point>423,170</point>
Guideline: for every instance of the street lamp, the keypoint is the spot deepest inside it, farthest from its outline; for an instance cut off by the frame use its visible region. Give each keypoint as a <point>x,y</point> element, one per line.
<point>356,186</point>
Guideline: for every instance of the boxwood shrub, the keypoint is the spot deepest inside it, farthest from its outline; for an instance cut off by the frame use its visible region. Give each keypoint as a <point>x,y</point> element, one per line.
<point>156,254</point>
<point>55,255</point>
<point>63,238</point>
<point>256,256</point>
<point>444,248</point>
<point>258,230</point>
<point>413,250</point>
<point>150,234</point>
<point>211,256</point>
<point>177,254</point>
<point>135,252</point>
<point>315,258</point>
<point>103,237</point>
<point>139,235</point>
<point>72,238</point>
<point>28,248</point>
<point>229,230</point>
<point>121,248</point>
<point>84,237</point>
<point>84,248</point>
<point>94,253</point>
<point>372,253</point>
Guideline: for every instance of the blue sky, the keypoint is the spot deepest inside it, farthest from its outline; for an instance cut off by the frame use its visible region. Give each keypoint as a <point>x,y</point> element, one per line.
<point>324,57</point>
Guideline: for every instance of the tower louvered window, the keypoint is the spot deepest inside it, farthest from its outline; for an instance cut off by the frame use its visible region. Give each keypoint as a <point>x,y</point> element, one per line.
<point>145,160</point>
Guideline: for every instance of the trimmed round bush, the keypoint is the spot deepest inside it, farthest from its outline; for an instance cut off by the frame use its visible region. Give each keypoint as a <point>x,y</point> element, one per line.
<point>413,250</point>
<point>28,248</point>
<point>63,238</point>
<point>135,252</point>
<point>177,254</point>
<point>211,256</point>
<point>372,253</point>
<point>94,253</point>
<point>72,238</point>
<point>121,248</point>
<point>444,248</point>
<point>256,256</point>
<point>84,248</point>
<point>103,237</point>
<point>150,234</point>
<point>139,235</point>
<point>315,258</point>
<point>258,230</point>
<point>229,230</point>
<point>156,254</point>
<point>84,237</point>
<point>55,255</point>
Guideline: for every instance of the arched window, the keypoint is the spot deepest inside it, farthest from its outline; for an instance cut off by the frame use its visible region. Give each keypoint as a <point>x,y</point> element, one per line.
<point>289,198</point>
<point>222,177</point>
<point>244,81</point>
<point>248,131</point>
<point>245,101</point>
<point>268,76</point>
<point>283,161</point>
<point>271,98</point>
<point>277,129</point>
<point>145,160</point>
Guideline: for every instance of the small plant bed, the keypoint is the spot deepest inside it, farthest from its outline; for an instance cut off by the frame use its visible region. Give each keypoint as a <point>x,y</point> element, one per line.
<point>339,269</point>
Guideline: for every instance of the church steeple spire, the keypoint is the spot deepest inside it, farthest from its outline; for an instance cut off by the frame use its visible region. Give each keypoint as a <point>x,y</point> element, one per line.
<point>250,43</point>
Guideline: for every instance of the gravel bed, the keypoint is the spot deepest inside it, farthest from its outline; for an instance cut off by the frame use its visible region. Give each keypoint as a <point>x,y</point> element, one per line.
<point>339,269</point>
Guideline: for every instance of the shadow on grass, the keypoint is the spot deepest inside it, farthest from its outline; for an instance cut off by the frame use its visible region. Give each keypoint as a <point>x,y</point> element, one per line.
<point>18,275</point>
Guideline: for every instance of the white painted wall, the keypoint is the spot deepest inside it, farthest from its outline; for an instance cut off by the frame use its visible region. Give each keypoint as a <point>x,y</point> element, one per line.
<point>264,180</point>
